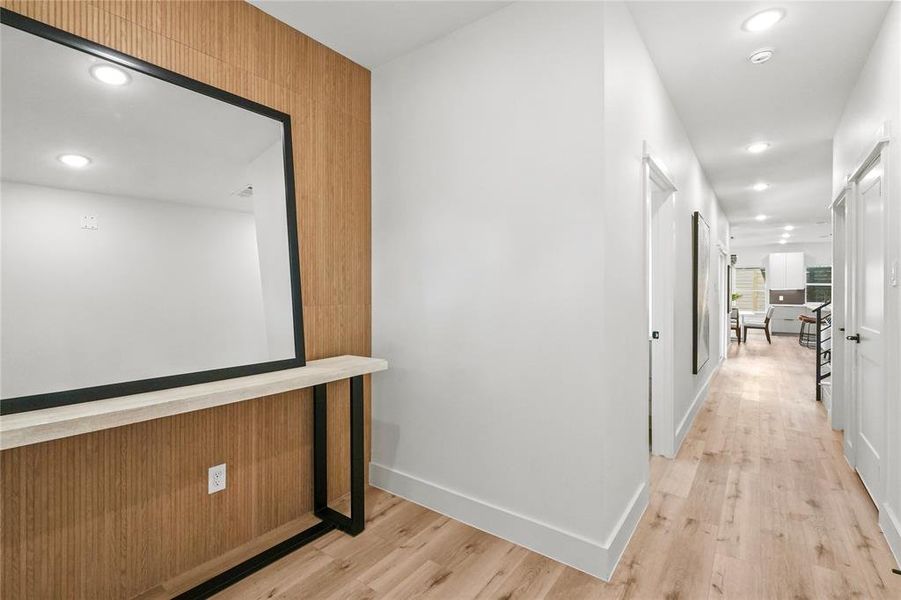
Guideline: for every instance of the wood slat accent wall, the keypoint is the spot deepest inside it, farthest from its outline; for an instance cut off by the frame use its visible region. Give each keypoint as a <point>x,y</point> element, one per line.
<point>114,513</point>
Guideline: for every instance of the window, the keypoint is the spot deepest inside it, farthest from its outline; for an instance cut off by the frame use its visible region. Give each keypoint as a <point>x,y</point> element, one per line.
<point>751,284</point>
<point>819,284</point>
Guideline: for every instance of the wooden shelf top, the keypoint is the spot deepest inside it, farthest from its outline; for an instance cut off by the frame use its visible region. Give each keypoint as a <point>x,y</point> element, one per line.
<point>38,426</point>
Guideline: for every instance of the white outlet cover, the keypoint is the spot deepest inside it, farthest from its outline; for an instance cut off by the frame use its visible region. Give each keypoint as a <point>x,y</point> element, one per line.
<point>216,479</point>
<point>89,222</point>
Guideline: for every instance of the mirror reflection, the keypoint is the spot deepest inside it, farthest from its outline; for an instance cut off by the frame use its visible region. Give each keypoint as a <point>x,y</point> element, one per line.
<point>144,226</point>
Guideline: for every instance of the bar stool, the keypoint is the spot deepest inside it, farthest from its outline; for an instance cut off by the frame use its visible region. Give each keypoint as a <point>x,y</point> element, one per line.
<point>808,335</point>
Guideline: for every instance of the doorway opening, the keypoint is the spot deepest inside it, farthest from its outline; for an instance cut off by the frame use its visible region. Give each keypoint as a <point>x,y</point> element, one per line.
<point>659,192</point>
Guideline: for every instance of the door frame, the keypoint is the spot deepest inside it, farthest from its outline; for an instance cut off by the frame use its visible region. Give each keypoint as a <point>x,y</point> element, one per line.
<point>879,150</point>
<point>663,432</point>
<point>724,291</point>
<point>839,417</point>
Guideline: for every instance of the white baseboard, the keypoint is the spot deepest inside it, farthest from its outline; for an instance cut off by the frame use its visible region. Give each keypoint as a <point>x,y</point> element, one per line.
<point>598,559</point>
<point>689,418</point>
<point>891,528</point>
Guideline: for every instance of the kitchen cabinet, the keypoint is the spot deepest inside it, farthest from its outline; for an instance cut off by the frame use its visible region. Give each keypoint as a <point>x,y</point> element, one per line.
<point>786,271</point>
<point>785,318</point>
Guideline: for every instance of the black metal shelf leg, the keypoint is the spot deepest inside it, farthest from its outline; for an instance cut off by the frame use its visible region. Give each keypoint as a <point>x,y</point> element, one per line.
<point>331,519</point>
<point>354,523</point>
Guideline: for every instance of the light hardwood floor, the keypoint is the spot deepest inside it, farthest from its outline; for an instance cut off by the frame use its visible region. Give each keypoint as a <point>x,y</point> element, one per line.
<point>759,503</point>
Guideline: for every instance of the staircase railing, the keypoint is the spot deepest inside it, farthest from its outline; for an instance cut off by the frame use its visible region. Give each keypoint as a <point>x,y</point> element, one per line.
<point>824,345</point>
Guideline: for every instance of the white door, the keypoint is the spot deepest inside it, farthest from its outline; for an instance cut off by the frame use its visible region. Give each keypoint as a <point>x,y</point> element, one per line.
<point>869,316</point>
<point>661,320</point>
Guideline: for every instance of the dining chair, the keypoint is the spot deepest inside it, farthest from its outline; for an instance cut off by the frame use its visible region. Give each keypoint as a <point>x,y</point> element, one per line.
<point>765,324</point>
<point>735,323</point>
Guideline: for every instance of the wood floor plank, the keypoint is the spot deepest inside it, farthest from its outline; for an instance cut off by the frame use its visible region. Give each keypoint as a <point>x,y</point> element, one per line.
<point>759,503</point>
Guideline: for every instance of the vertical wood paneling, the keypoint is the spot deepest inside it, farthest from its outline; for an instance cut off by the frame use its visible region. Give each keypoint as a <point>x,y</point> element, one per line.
<point>114,513</point>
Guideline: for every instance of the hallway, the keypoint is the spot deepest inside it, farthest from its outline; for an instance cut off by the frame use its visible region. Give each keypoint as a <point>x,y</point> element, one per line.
<point>759,503</point>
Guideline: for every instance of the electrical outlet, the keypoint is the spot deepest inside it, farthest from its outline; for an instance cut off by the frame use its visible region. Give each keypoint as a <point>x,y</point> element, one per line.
<point>89,222</point>
<point>216,479</point>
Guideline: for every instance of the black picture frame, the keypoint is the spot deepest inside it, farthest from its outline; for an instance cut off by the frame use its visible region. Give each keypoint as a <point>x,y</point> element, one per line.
<point>700,280</point>
<point>88,394</point>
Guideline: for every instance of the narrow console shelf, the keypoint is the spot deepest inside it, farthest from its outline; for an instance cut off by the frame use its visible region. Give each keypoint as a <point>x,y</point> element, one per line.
<point>38,426</point>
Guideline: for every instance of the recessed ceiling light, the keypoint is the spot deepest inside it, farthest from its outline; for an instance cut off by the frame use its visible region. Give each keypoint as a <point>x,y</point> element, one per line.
<point>76,161</point>
<point>759,187</point>
<point>109,74</point>
<point>760,218</point>
<point>786,235</point>
<point>789,228</point>
<point>758,147</point>
<point>761,56</point>
<point>764,20</point>
<point>783,241</point>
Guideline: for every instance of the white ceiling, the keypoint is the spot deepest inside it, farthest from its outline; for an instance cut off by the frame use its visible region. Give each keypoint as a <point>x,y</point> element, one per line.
<point>147,139</point>
<point>794,101</point>
<point>373,33</point>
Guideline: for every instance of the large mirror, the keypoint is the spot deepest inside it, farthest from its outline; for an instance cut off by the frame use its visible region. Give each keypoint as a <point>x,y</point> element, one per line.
<point>147,227</point>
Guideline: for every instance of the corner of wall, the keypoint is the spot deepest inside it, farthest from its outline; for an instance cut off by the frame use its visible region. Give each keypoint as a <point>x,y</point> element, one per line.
<point>598,559</point>
<point>688,420</point>
<point>891,528</point>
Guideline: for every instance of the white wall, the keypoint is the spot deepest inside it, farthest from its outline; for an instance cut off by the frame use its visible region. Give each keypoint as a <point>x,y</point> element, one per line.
<point>267,175</point>
<point>508,275</point>
<point>876,99</point>
<point>488,271</point>
<point>145,295</point>
<point>816,254</point>
<point>638,109</point>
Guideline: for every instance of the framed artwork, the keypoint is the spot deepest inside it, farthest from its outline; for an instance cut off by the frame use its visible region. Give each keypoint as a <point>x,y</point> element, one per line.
<point>700,277</point>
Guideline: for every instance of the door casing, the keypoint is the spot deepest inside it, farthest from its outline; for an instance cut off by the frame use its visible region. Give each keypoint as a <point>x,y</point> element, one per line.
<point>659,195</point>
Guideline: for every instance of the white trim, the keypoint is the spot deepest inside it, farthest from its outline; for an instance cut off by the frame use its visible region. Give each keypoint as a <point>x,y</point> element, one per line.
<point>625,528</point>
<point>654,172</point>
<point>871,156</point>
<point>689,418</point>
<point>658,170</point>
<point>594,557</point>
<point>839,198</point>
<point>891,529</point>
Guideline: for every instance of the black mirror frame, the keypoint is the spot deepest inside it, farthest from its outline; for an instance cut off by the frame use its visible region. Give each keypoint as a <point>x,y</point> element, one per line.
<point>88,394</point>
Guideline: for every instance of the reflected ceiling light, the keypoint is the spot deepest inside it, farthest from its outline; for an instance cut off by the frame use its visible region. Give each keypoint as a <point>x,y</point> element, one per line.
<point>760,218</point>
<point>785,236</point>
<point>759,187</point>
<point>783,241</point>
<point>758,57</point>
<point>109,74</point>
<point>758,147</point>
<point>76,161</point>
<point>763,20</point>
<point>789,228</point>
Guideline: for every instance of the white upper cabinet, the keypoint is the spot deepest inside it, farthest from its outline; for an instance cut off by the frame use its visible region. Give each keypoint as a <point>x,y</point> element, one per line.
<point>786,271</point>
<point>795,271</point>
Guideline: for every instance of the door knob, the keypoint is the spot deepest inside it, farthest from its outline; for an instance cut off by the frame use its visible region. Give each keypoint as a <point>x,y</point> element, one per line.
<point>853,338</point>
<point>655,335</point>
